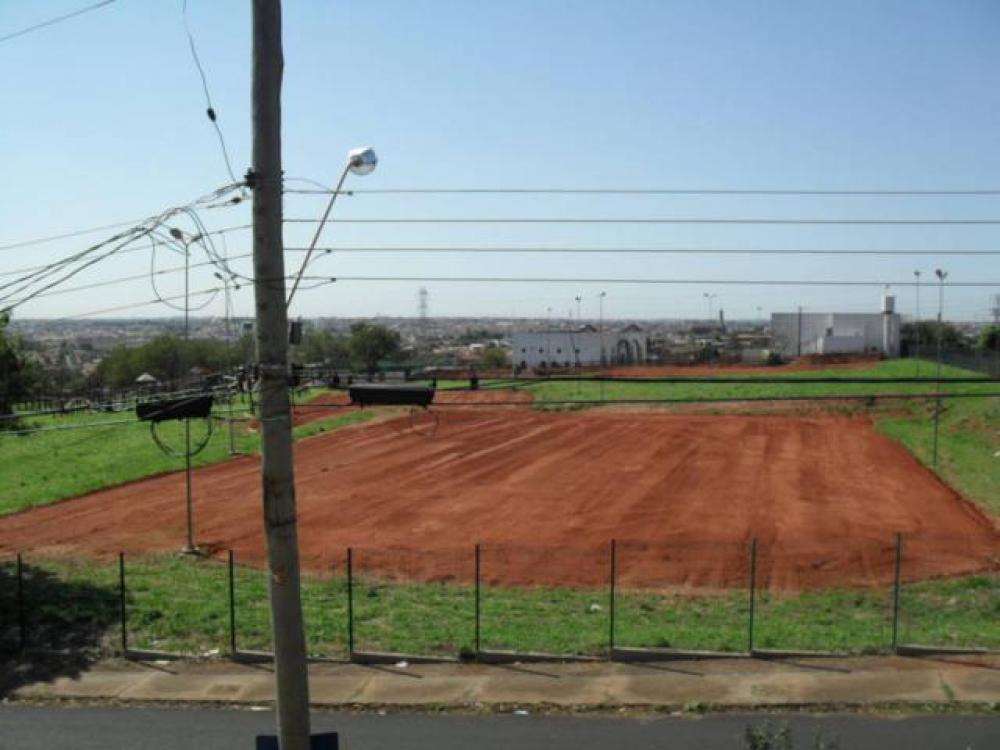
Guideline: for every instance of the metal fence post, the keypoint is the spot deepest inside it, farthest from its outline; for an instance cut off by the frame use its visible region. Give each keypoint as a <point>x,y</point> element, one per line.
<point>121,603</point>
<point>611,599</point>
<point>478,599</point>
<point>350,603</point>
<point>753,592</point>
<point>895,591</point>
<point>22,629</point>
<point>232,603</point>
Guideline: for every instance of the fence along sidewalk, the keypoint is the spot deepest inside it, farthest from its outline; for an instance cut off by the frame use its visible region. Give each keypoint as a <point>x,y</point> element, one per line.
<point>622,600</point>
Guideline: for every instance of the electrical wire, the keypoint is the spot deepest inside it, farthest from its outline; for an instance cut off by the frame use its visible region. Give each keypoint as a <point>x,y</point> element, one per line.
<point>639,250</point>
<point>325,190</point>
<point>52,21</point>
<point>569,280</point>
<point>651,220</point>
<point>209,108</point>
<point>26,288</point>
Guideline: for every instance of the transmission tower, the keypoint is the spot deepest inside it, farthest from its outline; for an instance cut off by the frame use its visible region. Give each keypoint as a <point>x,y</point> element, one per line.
<point>422,306</point>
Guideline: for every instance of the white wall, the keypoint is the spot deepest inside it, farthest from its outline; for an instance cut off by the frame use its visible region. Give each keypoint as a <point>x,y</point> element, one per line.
<point>831,333</point>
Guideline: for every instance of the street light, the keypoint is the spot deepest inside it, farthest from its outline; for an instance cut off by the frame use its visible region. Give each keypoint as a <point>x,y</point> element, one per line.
<point>604,360</point>
<point>189,548</point>
<point>916,274</point>
<point>709,297</point>
<point>360,161</point>
<point>941,275</point>
<point>600,298</point>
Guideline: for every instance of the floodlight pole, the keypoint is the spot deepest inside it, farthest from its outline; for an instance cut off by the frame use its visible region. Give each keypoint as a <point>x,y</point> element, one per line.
<point>942,275</point>
<point>190,548</point>
<point>277,471</point>
<point>916,275</point>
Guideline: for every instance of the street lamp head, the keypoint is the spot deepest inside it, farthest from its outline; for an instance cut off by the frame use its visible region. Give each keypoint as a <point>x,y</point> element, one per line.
<point>362,161</point>
<point>917,274</point>
<point>942,275</point>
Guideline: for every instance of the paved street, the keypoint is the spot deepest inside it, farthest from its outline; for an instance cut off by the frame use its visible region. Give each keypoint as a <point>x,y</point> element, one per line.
<point>31,728</point>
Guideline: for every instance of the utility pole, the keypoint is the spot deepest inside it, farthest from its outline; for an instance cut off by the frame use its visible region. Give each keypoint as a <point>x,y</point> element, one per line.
<point>916,274</point>
<point>996,335</point>
<point>277,471</point>
<point>942,275</point>
<point>799,348</point>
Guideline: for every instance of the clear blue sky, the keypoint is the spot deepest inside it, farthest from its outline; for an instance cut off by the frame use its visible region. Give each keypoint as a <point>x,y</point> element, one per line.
<point>103,121</point>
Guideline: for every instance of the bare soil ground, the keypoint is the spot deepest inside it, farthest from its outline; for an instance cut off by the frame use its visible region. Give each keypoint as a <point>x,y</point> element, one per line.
<point>545,493</point>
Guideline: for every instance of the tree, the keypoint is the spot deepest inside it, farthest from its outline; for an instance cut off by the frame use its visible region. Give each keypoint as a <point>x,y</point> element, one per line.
<point>494,358</point>
<point>322,347</point>
<point>17,374</point>
<point>370,343</point>
<point>989,338</point>
<point>167,357</point>
<point>951,337</point>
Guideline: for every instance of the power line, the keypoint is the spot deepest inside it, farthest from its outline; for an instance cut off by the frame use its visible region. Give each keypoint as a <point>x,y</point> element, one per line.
<point>650,220</point>
<point>148,303</point>
<point>209,108</point>
<point>55,20</point>
<point>119,225</point>
<point>638,250</point>
<point>67,235</point>
<point>568,280</point>
<point>323,190</point>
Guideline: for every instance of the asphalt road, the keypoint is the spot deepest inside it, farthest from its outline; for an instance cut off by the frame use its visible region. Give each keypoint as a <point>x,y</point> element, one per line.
<point>29,727</point>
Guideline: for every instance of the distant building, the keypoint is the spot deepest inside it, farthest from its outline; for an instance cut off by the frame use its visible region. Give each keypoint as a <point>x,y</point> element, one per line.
<point>581,346</point>
<point>794,334</point>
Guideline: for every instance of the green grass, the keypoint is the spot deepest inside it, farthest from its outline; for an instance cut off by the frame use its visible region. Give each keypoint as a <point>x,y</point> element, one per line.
<point>44,467</point>
<point>797,384</point>
<point>181,605</point>
<point>968,444</point>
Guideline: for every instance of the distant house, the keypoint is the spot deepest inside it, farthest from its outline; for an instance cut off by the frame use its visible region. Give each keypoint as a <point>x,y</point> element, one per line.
<point>580,346</point>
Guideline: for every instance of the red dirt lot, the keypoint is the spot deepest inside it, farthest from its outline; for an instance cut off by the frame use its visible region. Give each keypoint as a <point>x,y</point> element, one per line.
<point>546,492</point>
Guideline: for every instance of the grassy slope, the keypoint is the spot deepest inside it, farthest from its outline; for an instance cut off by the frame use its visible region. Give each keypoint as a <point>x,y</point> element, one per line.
<point>182,605</point>
<point>34,468</point>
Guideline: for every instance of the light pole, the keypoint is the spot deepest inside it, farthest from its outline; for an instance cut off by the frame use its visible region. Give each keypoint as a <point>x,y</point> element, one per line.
<point>916,275</point>
<point>709,298</point>
<point>360,161</point>
<point>941,275</point>
<point>189,548</point>
<point>600,302</point>
<point>548,337</point>
<point>578,318</point>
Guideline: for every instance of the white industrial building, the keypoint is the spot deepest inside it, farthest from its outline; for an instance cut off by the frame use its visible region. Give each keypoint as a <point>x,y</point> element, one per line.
<point>798,333</point>
<point>581,346</point>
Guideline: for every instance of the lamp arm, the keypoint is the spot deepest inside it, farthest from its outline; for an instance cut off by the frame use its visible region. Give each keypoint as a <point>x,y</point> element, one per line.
<point>319,229</point>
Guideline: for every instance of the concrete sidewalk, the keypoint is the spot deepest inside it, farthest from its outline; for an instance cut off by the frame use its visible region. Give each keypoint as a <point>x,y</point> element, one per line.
<point>714,682</point>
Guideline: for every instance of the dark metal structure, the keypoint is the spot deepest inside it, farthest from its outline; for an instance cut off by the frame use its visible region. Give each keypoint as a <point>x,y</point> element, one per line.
<point>381,394</point>
<point>184,407</point>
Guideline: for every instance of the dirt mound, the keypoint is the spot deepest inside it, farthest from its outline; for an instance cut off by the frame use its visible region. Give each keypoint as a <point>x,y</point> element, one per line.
<point>546,492</point>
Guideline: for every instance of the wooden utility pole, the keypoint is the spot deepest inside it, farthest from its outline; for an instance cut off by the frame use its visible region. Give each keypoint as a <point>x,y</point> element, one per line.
<point>277,473</point>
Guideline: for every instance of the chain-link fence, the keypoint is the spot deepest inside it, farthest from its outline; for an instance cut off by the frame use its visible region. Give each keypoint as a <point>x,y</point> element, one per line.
<point>624,600</point>
<point>411,602</point>
<point>946,600</point>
